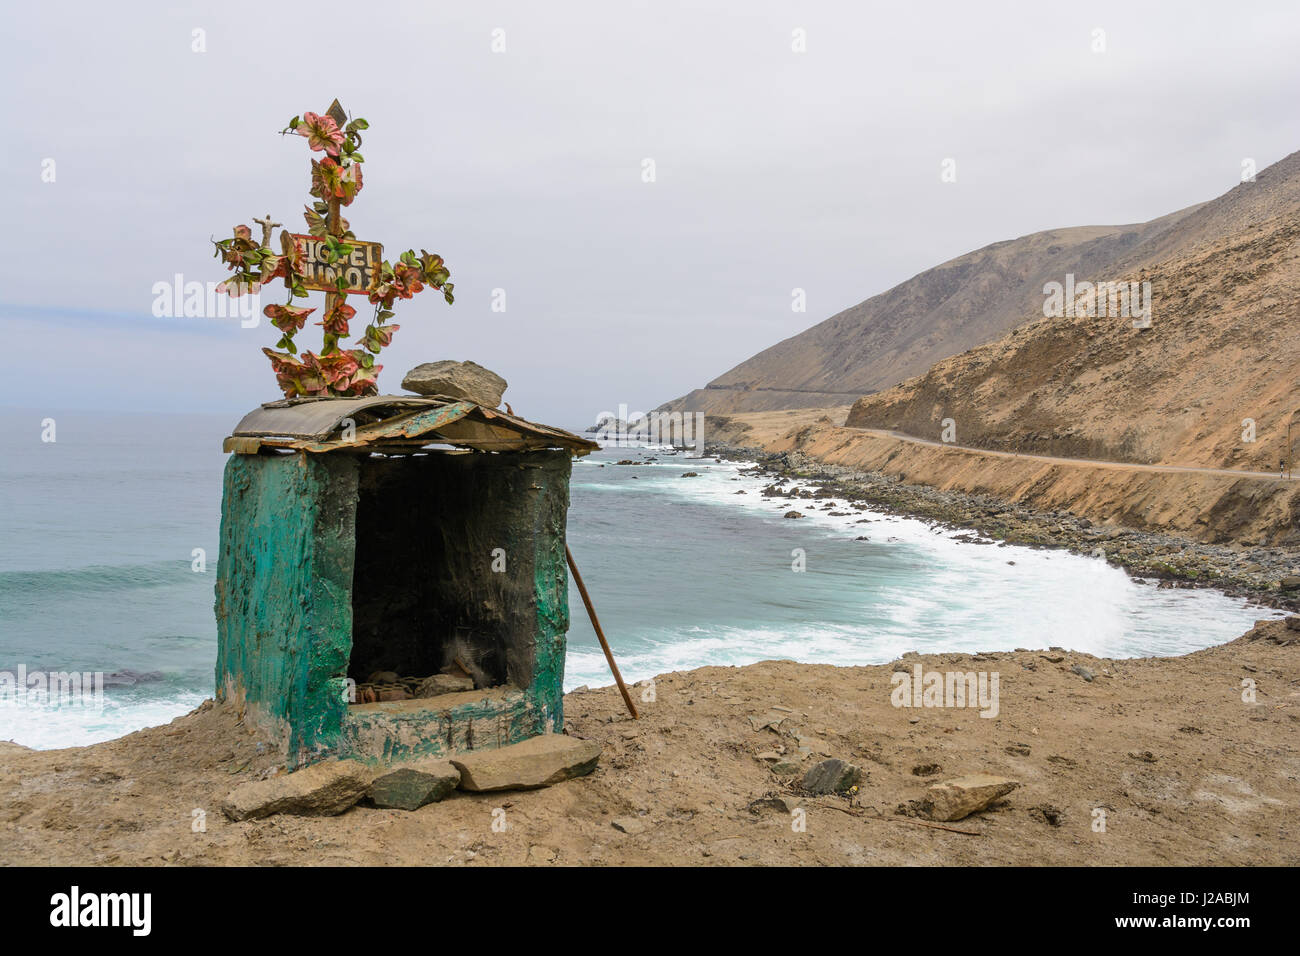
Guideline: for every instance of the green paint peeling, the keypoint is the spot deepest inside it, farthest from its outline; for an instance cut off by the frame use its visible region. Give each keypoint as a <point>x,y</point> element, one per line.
<point>286,606</point>
<point>551,586</point>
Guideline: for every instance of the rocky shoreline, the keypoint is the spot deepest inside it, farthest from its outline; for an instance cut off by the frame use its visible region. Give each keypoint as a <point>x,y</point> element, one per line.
<point>1267,576</point>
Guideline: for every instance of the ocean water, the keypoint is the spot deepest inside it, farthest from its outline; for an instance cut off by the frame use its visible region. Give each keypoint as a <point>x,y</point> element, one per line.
<point>99,528</point>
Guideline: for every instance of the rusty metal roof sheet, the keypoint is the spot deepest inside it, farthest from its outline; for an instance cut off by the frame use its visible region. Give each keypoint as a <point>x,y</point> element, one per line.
<point>392,423</point>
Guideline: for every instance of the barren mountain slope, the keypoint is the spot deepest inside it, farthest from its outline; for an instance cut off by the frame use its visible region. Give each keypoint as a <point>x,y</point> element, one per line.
<point>975,299</point>
<point>1223,347</point>
<point>945,310</point>
<point>1275,192</point>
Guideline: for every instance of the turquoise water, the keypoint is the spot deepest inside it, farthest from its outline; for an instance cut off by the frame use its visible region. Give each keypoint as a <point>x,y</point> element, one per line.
<point>98,530</point>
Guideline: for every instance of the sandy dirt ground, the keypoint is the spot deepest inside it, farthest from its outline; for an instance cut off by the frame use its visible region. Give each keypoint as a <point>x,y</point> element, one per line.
<point>761,429</point>
<point>1167,752</point>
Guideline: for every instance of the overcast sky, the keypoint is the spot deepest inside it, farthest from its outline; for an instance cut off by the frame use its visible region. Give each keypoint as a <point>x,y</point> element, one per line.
<point>774,169</point>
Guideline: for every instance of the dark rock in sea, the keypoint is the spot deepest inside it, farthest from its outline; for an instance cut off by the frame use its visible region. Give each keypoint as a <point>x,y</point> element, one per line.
<point>129,678</point>
<point>608,425</point>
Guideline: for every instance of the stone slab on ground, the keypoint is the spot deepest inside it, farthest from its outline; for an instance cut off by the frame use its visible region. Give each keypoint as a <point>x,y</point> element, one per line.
<point>529,765</point>
<point>962,796</point>
<point>412,785</point>
<point>832,776</point>
<point>324,789</point>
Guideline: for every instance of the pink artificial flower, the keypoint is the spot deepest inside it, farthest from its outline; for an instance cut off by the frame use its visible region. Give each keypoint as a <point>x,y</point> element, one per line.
<point>321,132</point>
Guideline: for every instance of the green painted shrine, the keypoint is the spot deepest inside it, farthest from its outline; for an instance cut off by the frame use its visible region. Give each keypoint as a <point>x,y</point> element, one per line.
<point>395,535</point>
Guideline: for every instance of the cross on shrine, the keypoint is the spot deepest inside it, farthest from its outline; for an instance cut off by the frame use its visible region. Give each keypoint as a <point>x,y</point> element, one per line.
<point>334,221</point>
<point>329,259</point>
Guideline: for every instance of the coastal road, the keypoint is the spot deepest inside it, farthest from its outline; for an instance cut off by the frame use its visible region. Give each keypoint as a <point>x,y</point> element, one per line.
<point>1048,459</point>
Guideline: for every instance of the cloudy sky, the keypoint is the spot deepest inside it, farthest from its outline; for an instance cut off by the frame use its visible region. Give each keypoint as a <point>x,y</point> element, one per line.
<point>775,168</point>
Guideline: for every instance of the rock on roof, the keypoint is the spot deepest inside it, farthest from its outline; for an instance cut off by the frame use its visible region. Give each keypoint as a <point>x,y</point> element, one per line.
<point>392,423</point>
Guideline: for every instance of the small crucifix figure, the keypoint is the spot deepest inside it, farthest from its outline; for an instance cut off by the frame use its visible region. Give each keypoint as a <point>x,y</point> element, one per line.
<point>267,225</point>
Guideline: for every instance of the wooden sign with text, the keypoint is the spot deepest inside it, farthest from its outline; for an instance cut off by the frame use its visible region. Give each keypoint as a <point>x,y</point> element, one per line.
<point>359,268</point>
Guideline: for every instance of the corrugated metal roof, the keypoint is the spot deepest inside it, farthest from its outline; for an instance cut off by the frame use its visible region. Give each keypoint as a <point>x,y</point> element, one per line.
<point>392,422</point>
